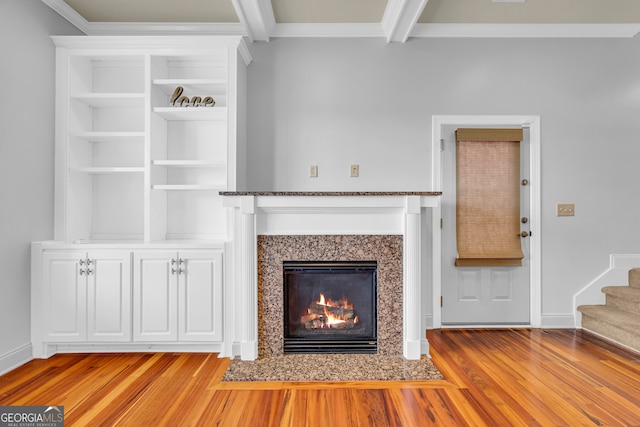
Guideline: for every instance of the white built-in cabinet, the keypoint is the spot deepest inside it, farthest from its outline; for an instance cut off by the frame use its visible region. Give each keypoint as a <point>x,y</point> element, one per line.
<point>137,182</point>
<point>87,295</point>
<point>177,295</point>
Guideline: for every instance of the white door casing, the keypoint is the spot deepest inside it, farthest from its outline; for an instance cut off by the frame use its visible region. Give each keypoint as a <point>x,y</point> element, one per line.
<point>533,124</point>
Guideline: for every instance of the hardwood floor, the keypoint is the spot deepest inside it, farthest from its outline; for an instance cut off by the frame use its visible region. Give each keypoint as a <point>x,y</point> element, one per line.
<point>493,378</point>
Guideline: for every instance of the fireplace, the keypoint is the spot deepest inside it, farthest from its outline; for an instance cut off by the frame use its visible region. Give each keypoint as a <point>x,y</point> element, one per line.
<point>394,228</point>
<point>330,307</point>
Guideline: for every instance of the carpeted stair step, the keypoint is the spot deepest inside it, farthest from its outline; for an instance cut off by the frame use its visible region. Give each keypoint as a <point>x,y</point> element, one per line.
<point>623,297</point>
<point>617,325</point>
<point>634,277</point>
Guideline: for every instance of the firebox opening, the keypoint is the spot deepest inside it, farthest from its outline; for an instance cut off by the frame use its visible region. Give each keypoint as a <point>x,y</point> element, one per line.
<point>330,307</point>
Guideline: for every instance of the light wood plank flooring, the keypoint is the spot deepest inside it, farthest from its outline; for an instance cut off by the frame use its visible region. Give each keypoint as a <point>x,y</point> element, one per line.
<point>492,378</point>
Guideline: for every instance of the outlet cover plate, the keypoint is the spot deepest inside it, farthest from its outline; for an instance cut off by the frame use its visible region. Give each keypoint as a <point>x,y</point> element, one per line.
<point>565,209</point>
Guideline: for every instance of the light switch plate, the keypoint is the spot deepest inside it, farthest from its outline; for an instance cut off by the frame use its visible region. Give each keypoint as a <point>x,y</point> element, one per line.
<point>565,209</point>
<point>354,171</point>
<point>313,171</point>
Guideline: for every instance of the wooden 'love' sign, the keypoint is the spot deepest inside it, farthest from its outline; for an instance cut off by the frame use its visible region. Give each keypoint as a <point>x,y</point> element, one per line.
<point>178,99</point>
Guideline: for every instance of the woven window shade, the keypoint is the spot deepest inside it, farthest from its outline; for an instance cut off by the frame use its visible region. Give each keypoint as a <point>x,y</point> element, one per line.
<point>488,197</point>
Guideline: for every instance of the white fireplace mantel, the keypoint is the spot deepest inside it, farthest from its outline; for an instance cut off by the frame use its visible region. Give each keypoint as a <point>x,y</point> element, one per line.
<point>324,213</point>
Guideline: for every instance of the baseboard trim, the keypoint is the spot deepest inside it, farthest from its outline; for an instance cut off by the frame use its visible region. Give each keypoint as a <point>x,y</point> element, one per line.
<point>558,321</point>
<point>137,348</point>
<point>424,347</point>
<point>15,358</point>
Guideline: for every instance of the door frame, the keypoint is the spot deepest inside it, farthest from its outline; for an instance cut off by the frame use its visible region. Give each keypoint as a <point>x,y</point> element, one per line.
<point>533,124</point>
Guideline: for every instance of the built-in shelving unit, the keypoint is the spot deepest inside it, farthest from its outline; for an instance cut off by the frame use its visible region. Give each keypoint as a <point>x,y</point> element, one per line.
<point>132,165</point>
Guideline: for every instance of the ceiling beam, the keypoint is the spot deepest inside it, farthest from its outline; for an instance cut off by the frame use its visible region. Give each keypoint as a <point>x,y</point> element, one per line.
<point>400,17</point>
<point>257,18</point>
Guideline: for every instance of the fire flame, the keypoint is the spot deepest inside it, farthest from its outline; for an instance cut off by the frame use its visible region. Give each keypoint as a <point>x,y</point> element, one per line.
<point>326,314</point>
<point>343,303</point>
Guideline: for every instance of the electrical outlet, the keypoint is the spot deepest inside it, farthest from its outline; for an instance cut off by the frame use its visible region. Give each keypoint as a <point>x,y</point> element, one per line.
<point>354,171</point>
<point>565,209</point>
<point>313,171</point>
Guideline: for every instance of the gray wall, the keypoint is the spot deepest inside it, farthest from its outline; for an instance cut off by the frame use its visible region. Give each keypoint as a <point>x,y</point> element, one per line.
<point>26,154</point>
<point>333,102</point>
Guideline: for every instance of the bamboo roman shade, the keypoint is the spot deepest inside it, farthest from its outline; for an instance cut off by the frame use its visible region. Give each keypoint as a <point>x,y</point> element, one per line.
<point>488,197</point>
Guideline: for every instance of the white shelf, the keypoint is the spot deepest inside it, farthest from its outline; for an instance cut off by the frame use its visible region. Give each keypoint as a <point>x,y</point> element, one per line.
<point>188,164</point>
<point>129,163</point>
<point>108,170</point>
<point>192,113</point>
<point>188,187</point>
<point>216,86</point>
<point>110,136</point>
<point>103,100</point>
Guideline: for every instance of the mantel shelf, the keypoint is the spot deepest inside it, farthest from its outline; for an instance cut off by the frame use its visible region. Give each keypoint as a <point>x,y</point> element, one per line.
<point>329,193</point>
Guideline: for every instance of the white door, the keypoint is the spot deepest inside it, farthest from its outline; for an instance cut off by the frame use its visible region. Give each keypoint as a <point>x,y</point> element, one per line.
<point>481,295</point>
<point>200,296</point>
<point>155,296</point>
<point>65,295</point>
<point>109,296</point>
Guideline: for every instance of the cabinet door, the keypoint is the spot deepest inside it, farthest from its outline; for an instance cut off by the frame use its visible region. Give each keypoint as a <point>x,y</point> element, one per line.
<point>200,291</point>
<point>64,296</point>
<point>155,296</point>
<point>109,296</point>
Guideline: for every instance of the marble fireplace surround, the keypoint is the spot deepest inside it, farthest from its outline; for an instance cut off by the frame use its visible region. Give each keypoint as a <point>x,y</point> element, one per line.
<point>381,226</point>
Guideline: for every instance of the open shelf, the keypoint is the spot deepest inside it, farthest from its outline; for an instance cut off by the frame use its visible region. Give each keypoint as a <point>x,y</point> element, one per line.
<point>106,170</point>
<point>215,86</point>
<point>106,100</point>
<point>188,164</point>
<point>110,136</point>
<point>188,187</point>
<point>192,113</point>
<point>129,163</point>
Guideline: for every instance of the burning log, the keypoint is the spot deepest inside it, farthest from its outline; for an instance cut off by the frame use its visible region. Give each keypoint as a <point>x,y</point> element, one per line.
<point>321,323</point>
<point>338,312</point>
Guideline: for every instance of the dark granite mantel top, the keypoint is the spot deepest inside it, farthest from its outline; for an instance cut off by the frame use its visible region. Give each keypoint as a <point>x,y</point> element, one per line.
<point>330,193</point>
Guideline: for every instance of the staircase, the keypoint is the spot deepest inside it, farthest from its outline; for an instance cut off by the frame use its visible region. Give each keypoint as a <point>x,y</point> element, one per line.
<point>619,319</point>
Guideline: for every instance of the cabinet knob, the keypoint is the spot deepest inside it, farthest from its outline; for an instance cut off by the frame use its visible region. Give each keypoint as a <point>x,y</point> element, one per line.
<point>89,271</point>
<point>81,271</point>
<point>81,262</point>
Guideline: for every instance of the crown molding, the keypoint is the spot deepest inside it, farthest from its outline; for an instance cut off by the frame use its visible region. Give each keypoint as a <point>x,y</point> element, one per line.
<point>328,30</point>
<point>68,13</point>
<point>527,30</point>
<point>164,28</point>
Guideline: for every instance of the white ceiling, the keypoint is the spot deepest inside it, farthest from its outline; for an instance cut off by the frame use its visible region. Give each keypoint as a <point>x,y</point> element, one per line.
<point>395,20</point>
